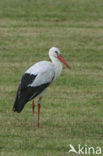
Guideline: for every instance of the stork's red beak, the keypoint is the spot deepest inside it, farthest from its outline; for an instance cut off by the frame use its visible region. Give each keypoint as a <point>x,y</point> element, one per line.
<point>60,57</point>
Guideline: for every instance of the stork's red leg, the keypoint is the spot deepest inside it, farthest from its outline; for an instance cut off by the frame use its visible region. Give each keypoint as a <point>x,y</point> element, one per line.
<point>39,102</point>
<point>33,106</point>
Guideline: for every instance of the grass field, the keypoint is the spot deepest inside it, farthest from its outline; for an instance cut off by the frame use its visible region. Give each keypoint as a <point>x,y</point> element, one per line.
<point>72,108</point>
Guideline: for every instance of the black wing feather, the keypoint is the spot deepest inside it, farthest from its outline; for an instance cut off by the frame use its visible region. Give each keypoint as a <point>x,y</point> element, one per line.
<point>26,80</point>
<point>26,93</point>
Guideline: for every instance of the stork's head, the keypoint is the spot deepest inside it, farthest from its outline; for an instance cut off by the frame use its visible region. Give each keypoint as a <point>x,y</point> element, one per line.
<point>55,53</point>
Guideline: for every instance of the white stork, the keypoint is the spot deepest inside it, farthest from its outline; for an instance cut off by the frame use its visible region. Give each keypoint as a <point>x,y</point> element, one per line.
<point>36,80</point>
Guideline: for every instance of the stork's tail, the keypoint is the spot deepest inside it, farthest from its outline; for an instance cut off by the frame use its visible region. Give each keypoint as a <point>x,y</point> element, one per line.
<point>18,105</point>
<point>19,102</point>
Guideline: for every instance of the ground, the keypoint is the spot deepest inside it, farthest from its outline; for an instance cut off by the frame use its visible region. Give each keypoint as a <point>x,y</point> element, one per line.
<point>72,108</point>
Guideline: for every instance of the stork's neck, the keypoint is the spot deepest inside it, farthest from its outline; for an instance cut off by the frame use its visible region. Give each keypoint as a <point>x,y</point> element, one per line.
<point>58,66</point>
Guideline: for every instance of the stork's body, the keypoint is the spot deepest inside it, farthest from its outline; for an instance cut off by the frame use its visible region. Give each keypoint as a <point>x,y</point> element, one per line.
<point>37,78</point>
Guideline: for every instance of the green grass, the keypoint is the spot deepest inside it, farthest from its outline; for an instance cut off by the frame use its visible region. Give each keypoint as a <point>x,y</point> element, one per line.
<point>72,108</point>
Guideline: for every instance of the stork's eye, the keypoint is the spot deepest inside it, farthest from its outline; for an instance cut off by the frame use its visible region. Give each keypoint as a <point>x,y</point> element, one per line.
<point>56,52</point>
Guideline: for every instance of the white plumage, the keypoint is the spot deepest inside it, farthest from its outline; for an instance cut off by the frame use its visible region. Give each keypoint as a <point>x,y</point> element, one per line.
<point>45,72</point>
